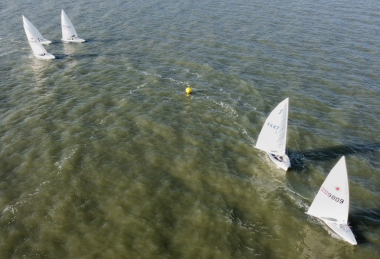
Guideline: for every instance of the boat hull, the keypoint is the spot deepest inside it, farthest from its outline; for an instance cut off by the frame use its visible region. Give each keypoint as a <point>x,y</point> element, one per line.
<point>343,230</point>
<point>45,42</point>
<point>74,40</point>
<point>47,56</point>
<point>283,164</point>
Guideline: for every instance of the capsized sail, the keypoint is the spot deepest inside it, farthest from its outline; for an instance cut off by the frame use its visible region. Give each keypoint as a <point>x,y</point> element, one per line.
<point>272,138</point>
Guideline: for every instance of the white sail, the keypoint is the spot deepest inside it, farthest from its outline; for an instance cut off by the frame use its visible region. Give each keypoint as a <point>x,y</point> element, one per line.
<point>38,50</point>
<point>272,138</point>
<point>331,204</point>
<point>69,34</point>
<point>36,46</point>
<point>332,200</point>
<point>34,31</point>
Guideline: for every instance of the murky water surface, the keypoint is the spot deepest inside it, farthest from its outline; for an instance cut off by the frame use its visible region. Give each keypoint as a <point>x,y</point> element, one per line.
<point>102,155</point>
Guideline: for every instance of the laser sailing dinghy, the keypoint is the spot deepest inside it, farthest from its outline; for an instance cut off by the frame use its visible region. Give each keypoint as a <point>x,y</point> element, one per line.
<point>272,138</point>
<point>35,32</point>
<point>69,34</point>
<point>331,204</point>
<point>38,50</point>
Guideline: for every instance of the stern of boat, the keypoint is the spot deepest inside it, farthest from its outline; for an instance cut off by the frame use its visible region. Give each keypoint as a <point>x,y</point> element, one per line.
<point>45,42</point>
<point>343,230</point>
<point>283,164</point>
<point>47,56</point>
<point>74,40</point>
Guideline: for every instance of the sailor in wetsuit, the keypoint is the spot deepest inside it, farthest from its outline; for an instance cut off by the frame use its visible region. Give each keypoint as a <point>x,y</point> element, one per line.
<point>277,157</point>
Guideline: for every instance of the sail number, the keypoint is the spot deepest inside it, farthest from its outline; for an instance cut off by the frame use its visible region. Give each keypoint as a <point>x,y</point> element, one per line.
<point>273,126</point>
<point>333,197</point>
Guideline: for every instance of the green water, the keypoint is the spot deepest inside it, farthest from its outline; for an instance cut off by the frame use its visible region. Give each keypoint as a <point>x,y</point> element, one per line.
<point>104,156</point>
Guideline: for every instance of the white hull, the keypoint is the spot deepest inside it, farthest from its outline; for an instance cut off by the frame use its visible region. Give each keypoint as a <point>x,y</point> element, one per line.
<point>343,231</point>
<point>47,56</point>
<point>45,41</point>
<point>283,162</point>
<point>73,40</point>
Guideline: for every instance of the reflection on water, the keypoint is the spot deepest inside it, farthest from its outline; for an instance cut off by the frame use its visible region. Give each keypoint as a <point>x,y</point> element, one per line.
<point>39,68</point>
<point>69,48</point>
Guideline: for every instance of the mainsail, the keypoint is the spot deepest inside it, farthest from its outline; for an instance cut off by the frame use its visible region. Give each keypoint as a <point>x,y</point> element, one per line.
<point>331,204</point>
<point>33,30</point>
<point>332,200</point>
<point>68,30</point>
<point>272,138</point>
<point>35,44</point>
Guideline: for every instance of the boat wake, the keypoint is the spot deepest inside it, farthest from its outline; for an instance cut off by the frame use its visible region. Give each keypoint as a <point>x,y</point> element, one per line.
<point>59,164</point>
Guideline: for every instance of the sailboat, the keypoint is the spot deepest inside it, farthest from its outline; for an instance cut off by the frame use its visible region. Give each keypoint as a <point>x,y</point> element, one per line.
<point>272,138</point>
<point>38,50</point>
<point>35,32</point>
<point>331,204</point>
<point>69,34</point>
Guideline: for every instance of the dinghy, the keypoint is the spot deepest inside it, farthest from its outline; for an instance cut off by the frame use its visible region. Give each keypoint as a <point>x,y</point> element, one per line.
<point>38,50</point>
<point>35,32</point>
<point>69,34</point>
<point>272,138</point>
<point>331,204</point>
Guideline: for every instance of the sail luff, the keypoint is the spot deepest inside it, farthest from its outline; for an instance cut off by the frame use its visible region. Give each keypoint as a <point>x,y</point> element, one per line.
<point>347,208</point>
<point>286,126</point>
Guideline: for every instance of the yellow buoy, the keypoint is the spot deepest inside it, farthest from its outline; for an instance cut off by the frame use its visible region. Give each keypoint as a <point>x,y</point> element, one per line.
<point>189,90</point>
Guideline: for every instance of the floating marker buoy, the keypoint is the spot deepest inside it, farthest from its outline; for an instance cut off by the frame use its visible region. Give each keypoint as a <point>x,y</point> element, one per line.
<point>189,90</point>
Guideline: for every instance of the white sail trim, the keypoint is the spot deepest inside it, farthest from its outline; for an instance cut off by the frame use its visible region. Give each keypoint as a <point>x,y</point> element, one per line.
<point>272,138</point>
